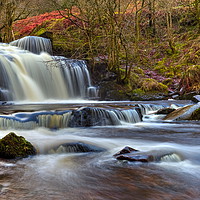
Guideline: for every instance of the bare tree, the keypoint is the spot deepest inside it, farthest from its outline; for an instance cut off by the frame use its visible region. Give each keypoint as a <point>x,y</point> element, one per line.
<point>10,11</point>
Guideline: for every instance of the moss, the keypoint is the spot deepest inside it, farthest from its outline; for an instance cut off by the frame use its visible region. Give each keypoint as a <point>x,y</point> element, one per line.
<point>13,146</point>
<point>138,70</point>
<point>138,91</point>
<point>40,31</point>
<point>168,81</point>
<point>195,115</point>
<point>148,84</point>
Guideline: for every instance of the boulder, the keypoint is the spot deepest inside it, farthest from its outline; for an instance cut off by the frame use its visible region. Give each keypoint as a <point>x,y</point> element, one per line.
<point>131,154</point>
<point>165,111</point>
<point>159,155</point>
<point>89,116</point>
<point>138,158</point>
<point>183,113</point>
<point>81,118</point>
<point>76,147</point>
<point>125,150</point>
<point>14,147</point>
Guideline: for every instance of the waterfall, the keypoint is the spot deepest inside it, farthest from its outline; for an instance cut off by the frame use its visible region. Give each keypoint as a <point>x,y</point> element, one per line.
<point>32,77</point>
<point>76,76</point>
<point>75,117</point>
<point>34,44</point>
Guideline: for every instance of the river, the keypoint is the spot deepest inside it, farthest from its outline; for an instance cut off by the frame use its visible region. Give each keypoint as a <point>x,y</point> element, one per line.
<point>98,175</point>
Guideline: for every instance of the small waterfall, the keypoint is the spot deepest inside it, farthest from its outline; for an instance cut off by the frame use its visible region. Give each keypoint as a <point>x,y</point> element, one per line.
<point>128,116</point>
<point>75,147</point>
<point>54,120</point>
<point>34,44</point>
<point>76,76</point>
<point>79,117</point>
<point>147,108</point>
<point>31,77</point>
<point>171,158</point>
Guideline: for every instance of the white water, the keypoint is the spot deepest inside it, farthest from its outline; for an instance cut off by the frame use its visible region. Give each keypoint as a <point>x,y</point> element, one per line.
<point>40,77</point>
<point>34,44</point>
<point>82,175</point>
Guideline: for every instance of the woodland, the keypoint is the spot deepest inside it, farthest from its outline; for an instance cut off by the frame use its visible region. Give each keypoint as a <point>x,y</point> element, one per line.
<point>135,49</point>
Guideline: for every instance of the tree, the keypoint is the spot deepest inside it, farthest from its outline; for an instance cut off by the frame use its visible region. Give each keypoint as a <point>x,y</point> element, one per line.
<point>10,11</point>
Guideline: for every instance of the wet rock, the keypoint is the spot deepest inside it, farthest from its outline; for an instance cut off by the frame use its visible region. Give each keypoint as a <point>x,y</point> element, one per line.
<point>13,146</point>
<point>82,118</point>
<point>138,158</point>
<point>126,149</point>
<point>195,115</point>
<point>76,147</point>
<point>183,113</point>
<point>165,111</point>
<point>196,98</point>
<point>131,154</point>
<point>89,116</point>
<point>159,155</point>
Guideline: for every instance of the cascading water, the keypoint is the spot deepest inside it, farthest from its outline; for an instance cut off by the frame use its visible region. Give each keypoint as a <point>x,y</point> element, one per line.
<point>39,77</point>
<point>34,44</point>
<point>75,162</point>
<point>75,117</point>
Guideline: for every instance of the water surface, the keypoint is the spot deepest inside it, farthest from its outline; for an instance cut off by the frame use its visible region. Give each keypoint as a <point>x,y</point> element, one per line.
<point>100,176</point>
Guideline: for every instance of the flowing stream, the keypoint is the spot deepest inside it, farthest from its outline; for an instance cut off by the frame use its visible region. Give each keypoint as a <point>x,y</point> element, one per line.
<point>47,118</point>
<point>98,175</point>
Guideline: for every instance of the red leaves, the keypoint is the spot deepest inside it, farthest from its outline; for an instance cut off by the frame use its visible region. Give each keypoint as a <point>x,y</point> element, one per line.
<point>26,26</point>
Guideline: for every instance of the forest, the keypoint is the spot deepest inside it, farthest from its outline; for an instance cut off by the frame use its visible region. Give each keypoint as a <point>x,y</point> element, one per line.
<point>135,48</point>
<point>99,99</point>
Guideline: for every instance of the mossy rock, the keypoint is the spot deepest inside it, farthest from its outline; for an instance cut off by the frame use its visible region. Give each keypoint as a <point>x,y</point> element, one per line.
<point>195,115</point>
<point>149,84</point>
<point>13,147</point>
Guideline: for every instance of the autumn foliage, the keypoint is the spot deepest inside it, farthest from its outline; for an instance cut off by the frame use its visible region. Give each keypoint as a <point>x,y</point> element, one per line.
<point>26,26</point>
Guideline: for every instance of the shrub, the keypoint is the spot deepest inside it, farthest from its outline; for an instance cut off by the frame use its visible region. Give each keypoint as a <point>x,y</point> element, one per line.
<point>148,84</point>
<point>190,79</point>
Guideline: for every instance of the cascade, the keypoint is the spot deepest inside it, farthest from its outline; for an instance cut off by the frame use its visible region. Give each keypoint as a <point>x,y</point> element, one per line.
<point>34,44</point>
<point>36,76</point>
<point>74,117</point>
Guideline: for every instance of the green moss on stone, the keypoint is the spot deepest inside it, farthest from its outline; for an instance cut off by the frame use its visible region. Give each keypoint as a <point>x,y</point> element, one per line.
<point>13,146</point>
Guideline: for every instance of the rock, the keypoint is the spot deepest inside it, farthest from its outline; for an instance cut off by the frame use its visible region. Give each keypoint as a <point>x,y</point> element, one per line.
<point>147,97</point>
<point>165,111</point>
<point>183,113</point>
<point>166,155</point>
<point>82,117</point>
<point>125,150</point>
<point>48,35</point>
<point>76,147</point>
<point>138,158</point>
<point>196,98</point>
<point>177,113</point>
<point>195,115</point>
<point>130,154</point>
<point>13,146</point>
<point>188,96</point>
<point>89,116</point>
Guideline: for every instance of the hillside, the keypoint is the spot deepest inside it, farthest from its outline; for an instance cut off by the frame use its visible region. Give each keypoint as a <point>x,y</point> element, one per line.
<point>151,64</point>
